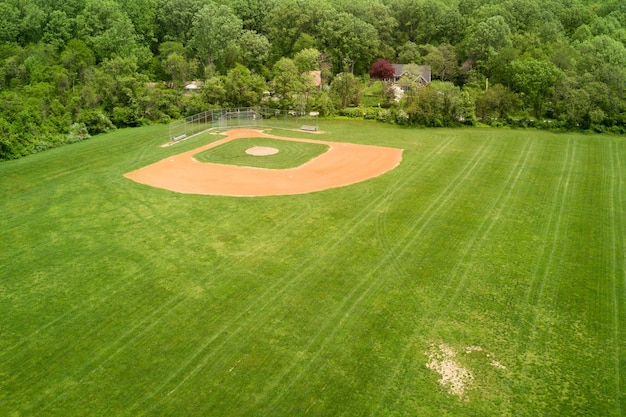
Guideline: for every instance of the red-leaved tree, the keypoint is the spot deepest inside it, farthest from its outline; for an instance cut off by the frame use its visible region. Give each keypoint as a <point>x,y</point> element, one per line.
<point>382,69</point>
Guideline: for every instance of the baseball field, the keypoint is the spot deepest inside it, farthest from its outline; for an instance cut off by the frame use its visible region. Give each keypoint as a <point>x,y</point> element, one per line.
<point>484,274</point>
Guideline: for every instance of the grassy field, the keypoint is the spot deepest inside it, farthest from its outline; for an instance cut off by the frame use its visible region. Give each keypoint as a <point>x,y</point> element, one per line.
<point>290,154</point>
<point>490,260</point>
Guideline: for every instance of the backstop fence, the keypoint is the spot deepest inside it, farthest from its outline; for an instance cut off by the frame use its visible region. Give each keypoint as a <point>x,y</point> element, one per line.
<point>225,119</point>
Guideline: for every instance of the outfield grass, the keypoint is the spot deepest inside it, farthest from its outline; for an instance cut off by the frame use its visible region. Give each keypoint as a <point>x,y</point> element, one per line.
<point>290,154</point>
<point>506,247</point>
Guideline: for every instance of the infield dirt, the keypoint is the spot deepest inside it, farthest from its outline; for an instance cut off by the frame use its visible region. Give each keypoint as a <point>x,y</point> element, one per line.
<point>343,164</point>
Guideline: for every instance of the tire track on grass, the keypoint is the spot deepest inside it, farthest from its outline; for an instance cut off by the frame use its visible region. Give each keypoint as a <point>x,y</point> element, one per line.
<point>38,370</point>
<point>381,228</point>
<point>105,295</point>
<point>154,318</point>
<point>507,190</point>
<point>107,354</point>
<point>490,220</point>
<point>545,258</point>
<point>338,318</point>
<point>553,229</point>
<point>269,296</point>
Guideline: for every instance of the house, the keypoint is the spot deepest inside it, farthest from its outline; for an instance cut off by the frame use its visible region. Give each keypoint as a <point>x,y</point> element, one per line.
<point>420,73</point>
<point>193,86</point>
<point>316,76</point>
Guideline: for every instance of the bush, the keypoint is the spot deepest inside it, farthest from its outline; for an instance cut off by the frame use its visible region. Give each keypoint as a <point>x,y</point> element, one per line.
<point>402,117</point>
<point>78,132</point>
<point>353,112</point>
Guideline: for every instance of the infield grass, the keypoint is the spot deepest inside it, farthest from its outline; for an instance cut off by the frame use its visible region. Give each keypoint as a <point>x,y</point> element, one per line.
<point>505,248</point>
<point>290,154</point>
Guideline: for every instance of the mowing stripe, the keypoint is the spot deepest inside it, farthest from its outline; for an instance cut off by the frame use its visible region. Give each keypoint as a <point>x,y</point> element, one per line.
<point>340,315</point>
<point>553,230</point>
<point>133,333</point>
<point>472,247</point>
<point>545,259</point>
<point>475,244</point>
<point>266,301</point>
<point>618,262</point>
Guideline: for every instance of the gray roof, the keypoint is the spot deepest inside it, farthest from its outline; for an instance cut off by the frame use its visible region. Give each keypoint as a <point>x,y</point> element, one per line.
<point>423,69</point>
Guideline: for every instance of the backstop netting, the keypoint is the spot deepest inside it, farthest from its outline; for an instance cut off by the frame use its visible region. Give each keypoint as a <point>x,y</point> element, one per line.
<point>225,119</point>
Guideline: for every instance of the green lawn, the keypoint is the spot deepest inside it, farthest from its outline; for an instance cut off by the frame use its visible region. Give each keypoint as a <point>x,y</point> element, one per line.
<point>290,154</point>
<point>497,253</point>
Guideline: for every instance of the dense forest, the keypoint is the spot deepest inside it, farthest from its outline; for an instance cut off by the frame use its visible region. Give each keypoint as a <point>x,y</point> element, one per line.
<point>70,69</point>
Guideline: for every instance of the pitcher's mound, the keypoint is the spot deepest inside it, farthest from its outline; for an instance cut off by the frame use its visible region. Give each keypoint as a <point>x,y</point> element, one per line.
<point>261,151</point>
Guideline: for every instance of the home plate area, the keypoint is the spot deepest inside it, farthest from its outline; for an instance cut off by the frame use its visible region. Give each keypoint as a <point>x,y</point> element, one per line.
<point>342,164</point>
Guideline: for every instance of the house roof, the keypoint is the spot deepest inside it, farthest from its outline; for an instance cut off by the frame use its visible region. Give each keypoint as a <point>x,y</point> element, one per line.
<point>317,77</point>
<point>193,85</point>
<point>424,71</point>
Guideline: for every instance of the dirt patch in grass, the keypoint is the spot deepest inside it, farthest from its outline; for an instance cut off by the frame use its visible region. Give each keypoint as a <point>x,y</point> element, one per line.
<point>454,377</point>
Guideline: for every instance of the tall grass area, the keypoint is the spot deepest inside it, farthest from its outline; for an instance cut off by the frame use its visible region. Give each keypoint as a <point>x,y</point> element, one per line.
<point>497,253</point>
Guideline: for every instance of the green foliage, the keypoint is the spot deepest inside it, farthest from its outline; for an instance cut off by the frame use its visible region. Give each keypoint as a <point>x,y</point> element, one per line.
<point>565,61</point>
<point>536,79</point>
<point>214,29</point>
<point>345,89</point>
<point>353,44</point>
<point>242,88</point>
<point>287,83</point>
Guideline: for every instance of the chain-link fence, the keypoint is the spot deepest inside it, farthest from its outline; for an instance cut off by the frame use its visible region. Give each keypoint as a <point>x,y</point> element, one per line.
<point>225,119</point>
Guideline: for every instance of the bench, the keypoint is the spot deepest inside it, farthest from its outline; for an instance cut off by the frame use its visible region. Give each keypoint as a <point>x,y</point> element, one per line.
<point>181,137</point>
<point>309,128</point>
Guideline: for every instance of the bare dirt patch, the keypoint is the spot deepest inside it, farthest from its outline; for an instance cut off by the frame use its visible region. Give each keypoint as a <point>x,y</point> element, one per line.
<point>343,164</point>
<point>454,377</point>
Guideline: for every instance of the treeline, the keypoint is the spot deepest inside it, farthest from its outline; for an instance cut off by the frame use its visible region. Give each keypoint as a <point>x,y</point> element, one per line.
<point>73,68</point>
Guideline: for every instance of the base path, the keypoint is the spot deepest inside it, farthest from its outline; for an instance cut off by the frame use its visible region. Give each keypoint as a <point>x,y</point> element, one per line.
<point>343,164</point>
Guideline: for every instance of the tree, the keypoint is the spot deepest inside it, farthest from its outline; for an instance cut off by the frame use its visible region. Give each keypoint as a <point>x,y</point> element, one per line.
<point>307,60</point>
<point>382,69</point>
<point>291,21</point>
<point>78,58</point>
<point>409,53</point>
<point>496,101</point>
<point>351,42</point>
<point>32,22</point>
<point>214,29</point>
<point>254,49</point>
<point>377,14</point>
<point>58,30</point>
<point>174,19</point>
<point>178,68</point>
<point>109,32</point>
<point>251,12</point>
<point>214,91</point>
<point>287,82</point>
<point>243,88</point>
<point>443,61</point>
<point>9,22</point>
<point>536,79</point>
<point>489,38</point>
<point>345,89</point>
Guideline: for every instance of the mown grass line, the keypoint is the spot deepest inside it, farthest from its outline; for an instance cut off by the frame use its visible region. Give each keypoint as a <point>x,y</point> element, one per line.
<point>618,269</point>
